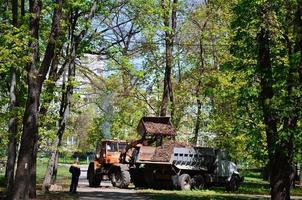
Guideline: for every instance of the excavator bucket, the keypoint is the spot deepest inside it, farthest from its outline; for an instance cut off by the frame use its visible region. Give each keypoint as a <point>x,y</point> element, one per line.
<point>156,126</point>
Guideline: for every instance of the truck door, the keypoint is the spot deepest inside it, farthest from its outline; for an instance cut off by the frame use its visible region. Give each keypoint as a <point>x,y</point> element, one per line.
<point>223,165</point>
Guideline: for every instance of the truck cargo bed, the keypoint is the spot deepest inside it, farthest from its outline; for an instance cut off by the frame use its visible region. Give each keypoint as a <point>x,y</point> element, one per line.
<point>188,158</point>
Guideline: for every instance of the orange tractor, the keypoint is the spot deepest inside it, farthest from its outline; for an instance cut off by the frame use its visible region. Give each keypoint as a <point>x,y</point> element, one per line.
<point>107,165</point>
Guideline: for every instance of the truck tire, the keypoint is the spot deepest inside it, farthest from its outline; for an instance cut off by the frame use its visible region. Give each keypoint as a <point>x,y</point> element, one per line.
<point>198,182</point>
<point>120,178</point>
<point>234,183</point>
<point>149,178</point>
<point>185,182</point>
<point>137,177</point>
<point>93,180</point>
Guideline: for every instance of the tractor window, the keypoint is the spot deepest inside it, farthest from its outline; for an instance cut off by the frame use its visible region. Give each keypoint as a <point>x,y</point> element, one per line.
<point>111,147</point>
<point>121,147</point>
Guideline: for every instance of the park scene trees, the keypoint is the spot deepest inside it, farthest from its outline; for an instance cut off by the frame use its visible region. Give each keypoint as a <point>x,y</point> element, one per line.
<point>73,73</point>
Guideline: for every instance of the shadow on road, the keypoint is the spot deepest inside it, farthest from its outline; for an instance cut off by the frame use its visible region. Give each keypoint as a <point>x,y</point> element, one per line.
<point>110,195</point>
<point>105,192</point>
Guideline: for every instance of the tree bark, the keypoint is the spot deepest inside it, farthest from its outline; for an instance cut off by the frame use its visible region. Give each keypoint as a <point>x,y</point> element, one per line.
<point>22,8</point>
<point>13,122</point>
<point>169,43</point>
<point>300,175</point>
<point>33,169</point>
<point>197,123</point>
<point>15,12</point>
<point>30,129</point>
<point>12,144</point>
<point>279,158</point>
<point>51,167</point>
<point>198,87</point>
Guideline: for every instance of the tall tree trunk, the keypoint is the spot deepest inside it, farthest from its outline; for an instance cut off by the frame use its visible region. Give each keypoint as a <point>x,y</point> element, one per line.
<point>169,42</point>
<point>30,129</point>
<point>280,165</point>
<point>26,169</point>
<point>50,175</point>
<point>300,175</point>
<point>33,169</point>
<point>12,144</point>
<point>22,8</point>
<point>198,87</point>
<point>51,167</point>
<point>51,172</point>
<point>13,122</point>
<point>197,123</point>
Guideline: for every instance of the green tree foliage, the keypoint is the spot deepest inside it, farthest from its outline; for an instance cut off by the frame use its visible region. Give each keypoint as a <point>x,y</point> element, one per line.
<point>223,91</point>
<point>266,48</point>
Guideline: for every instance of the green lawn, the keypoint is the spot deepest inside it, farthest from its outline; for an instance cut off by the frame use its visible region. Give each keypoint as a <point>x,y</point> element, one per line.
<point>63,179</point>
<point>253,185</point>
<point>191,195</point>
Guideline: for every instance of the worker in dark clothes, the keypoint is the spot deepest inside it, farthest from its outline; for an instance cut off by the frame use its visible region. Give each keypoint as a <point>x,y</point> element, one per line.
<point>76,172</point>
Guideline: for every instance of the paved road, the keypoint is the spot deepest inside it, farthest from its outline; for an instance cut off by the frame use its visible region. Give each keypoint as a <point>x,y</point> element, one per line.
<point>106,191</point>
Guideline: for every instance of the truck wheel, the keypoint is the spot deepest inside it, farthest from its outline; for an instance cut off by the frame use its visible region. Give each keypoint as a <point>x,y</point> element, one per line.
<point>198,182</point>
<point>185,182</point>
<point>121,178</point>
<point>149,178</point>
<point>137,177</point>
<point>233,185</point>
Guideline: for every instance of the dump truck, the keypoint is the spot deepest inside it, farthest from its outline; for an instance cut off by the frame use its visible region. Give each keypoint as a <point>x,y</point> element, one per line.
<point>157,161</point>
<point>107,165</point>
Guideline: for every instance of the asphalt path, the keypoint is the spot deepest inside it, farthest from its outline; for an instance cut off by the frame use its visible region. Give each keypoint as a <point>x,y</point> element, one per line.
<point>105,191</point>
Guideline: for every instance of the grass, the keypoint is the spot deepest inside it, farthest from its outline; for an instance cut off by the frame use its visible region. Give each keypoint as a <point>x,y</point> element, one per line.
<point>191,195</point>
<point>253,185</point>
<point>63,179</point>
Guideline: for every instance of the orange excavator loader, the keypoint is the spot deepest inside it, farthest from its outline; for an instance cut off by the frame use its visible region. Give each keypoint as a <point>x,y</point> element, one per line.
<point>107,165</point>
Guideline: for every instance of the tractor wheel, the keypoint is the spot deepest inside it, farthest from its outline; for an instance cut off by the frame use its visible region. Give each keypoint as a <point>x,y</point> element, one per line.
<point>97,182</point>
<point>113,179</point>
<point>120,178</point>
<point>90,174</point>
<point>234,183</point>
<point>93,180</point>
<point>185,182</point>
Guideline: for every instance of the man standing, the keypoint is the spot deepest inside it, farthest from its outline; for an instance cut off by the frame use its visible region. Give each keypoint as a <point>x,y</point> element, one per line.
<point>76,172</point>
